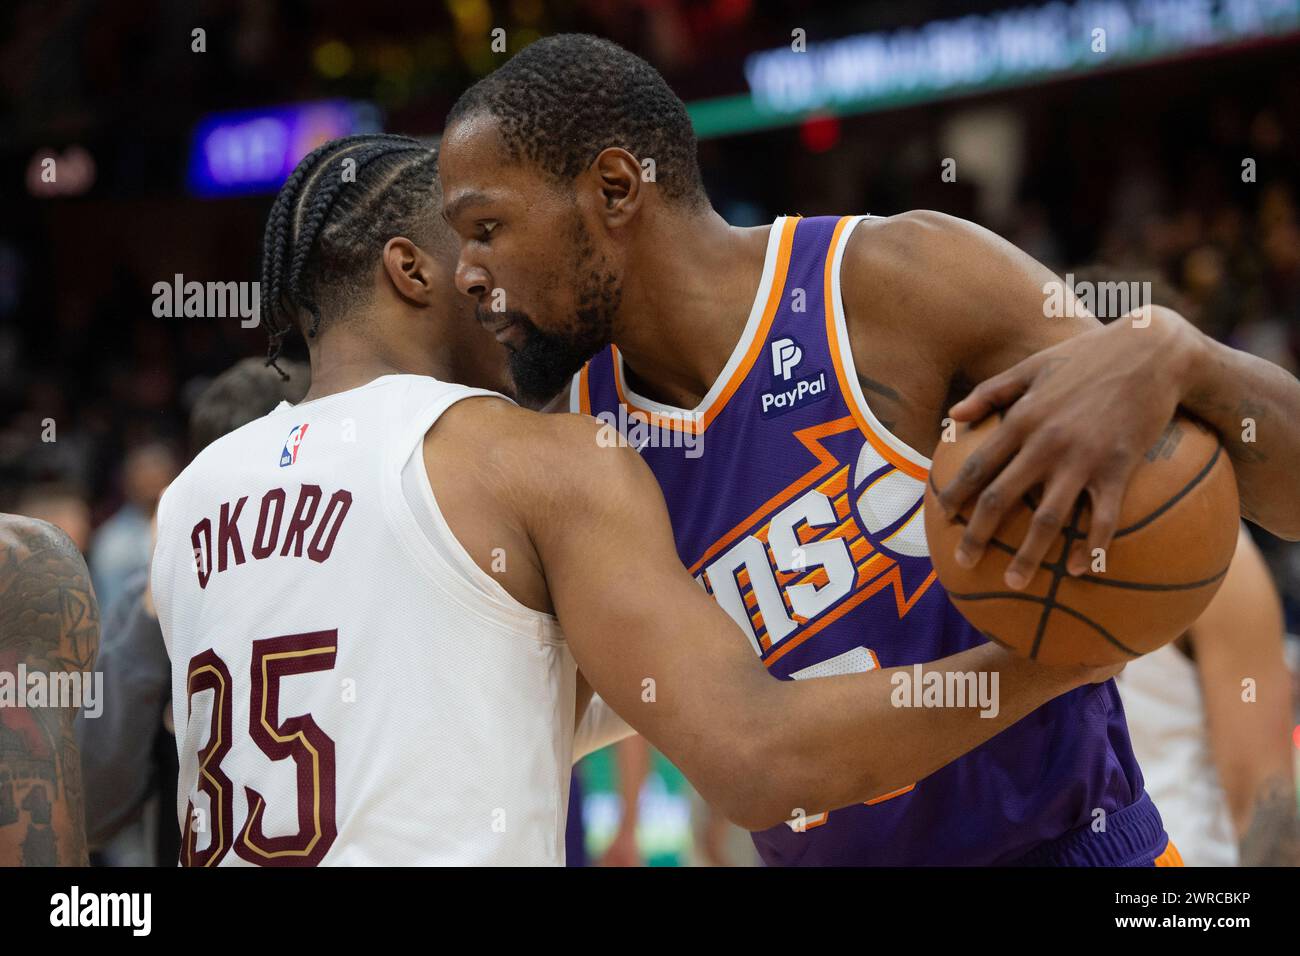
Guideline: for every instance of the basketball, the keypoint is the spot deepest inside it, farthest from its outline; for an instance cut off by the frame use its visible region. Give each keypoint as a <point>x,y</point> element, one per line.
<point>1176,535</point>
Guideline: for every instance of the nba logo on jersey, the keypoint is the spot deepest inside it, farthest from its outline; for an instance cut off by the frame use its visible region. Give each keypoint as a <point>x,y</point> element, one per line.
<point>290,453</point>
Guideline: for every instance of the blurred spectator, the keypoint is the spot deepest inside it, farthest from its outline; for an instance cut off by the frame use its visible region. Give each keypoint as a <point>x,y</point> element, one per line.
<point>716,840</point>
<point>123,543</point>
<point>241,394</point>
<point>1216,751</point>
<point>62,506</point>
<point>128,760</point>
<point>633,761</point>
<point>129,763</point>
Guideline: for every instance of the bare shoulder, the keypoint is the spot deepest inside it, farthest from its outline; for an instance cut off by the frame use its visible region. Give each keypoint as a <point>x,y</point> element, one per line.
<point>47,605</point>
<point>504,442</point>
<point>516,449</point>
<point>591,461</point>
<point>899,258</point>
<point>897,281</point>
<point>510,480</point>
<point>916,229</point>
<point>925,273</point>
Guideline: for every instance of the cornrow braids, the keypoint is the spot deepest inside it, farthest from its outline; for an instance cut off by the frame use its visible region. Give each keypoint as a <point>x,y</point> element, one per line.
<point>329,222</point>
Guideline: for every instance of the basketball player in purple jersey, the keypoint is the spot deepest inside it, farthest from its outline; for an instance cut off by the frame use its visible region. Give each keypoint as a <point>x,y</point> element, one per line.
<point>781,383</point>
<point>527,574</point>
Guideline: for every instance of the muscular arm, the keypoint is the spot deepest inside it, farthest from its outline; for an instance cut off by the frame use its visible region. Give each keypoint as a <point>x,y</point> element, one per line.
<point>49,622</point>
<point>1255,407</point>
<point>1148,370</point>
<point>664,655</point>
<point>949,284</point>
<point>949,297</point>
<point>1239,637</point>
<point>972,308</point>
<point>951,303</point>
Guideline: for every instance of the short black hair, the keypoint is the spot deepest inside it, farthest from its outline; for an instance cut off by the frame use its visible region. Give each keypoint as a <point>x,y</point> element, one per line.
<point>330,221</point>
<point>244,392</point>
<point>562,100</point>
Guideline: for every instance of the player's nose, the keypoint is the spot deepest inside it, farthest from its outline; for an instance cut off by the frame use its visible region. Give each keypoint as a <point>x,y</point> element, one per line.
<point>472,279</point>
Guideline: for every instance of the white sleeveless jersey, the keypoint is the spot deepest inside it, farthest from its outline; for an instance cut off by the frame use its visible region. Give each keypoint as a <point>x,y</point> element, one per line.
<point>1166,724</point>
<point>348,687</point>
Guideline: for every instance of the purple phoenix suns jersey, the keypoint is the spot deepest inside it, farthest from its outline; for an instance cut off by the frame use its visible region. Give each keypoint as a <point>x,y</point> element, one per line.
<point>801,515</point>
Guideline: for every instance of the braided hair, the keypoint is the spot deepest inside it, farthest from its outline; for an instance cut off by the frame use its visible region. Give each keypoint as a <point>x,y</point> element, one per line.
<point>329,223</point>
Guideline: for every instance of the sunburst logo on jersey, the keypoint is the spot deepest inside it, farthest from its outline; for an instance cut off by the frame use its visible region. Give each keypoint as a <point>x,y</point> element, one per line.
<point>867,502</point>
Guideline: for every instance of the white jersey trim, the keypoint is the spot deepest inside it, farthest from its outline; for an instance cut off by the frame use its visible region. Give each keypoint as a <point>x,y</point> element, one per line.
<point>445,559</point>
<point>846,353</point>
<point>752,325</point>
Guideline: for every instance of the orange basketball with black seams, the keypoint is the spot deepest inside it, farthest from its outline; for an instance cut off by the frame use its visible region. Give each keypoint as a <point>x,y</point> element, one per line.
<point>1175,538</point>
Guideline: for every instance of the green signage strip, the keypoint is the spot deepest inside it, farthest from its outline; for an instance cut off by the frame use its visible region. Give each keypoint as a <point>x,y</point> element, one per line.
<point>975,54</point>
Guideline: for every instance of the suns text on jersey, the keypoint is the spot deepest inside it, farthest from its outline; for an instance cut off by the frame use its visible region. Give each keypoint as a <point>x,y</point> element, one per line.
<point>309,529</point>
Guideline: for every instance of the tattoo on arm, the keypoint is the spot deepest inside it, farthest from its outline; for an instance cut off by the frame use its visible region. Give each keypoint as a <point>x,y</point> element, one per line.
<point>1209,406</point>
<point>49,623</point>
<point>1273,836</point>
<point>885,392</point>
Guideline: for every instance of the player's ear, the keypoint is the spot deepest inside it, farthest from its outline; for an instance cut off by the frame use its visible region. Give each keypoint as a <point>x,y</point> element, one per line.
<point>619,175</point>
<point>410,269</point>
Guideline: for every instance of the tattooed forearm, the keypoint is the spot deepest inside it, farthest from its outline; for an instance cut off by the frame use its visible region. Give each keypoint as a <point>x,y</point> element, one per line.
<point>1254,405</point>
<point>1246,417</point>
<point>1273,836</point>
<point>49,624</point>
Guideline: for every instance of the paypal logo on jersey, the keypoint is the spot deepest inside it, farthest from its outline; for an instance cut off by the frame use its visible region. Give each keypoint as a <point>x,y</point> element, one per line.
<point>786,354</point>
<point>789,395</point>
<point>291,445</point>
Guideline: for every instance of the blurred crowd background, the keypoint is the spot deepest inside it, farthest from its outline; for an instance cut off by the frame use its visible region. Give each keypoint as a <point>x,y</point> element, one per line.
<point>1137,170</point>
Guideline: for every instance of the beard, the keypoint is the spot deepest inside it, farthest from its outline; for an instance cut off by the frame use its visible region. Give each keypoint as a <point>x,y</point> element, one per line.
<point>545,362</point>
<point>542,364</point>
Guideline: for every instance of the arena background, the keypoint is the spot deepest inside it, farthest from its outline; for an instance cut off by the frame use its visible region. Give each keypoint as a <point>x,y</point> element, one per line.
<point>167,144</point>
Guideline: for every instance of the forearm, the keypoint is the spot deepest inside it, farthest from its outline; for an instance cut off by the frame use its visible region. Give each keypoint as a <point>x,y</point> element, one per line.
<point>1270,834</point>
<point>1254,405</point>
<point>843,740</point>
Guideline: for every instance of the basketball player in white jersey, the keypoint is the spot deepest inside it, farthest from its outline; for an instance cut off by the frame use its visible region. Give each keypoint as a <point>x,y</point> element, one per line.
<point>1209,714</point>
<point>376,601</point>
<point>1210,718</point>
